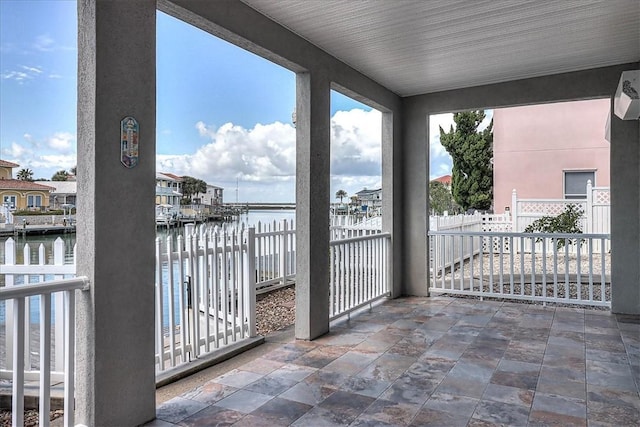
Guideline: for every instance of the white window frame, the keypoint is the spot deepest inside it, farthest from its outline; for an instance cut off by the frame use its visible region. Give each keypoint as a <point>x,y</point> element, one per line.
<point>10,200</point>
<point>34,198</point>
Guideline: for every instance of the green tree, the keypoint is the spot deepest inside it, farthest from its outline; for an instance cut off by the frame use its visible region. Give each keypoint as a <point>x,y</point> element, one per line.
<point>25,175</point>
<point>441,199</point>
<point>191,187</point>
<point>61,175</point>
<point>341,194</point>
<point>471,151</point>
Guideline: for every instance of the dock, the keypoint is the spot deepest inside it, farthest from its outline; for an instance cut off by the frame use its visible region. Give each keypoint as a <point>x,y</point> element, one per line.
<point>23,230</point>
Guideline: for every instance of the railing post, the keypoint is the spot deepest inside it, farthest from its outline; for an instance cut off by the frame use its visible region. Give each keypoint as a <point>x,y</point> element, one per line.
<point>283,251</point>
<point>514,210</point>
<point>17,406</point>
<point>589,212</point>
<point>26,256</point>
<point>9,259</point>
<point>58,259</point>
<point>250,282</point>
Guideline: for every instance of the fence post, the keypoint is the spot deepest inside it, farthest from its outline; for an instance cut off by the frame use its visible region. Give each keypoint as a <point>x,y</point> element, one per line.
<point>250,283</point>
<point>9,259</point>
<point>514,210</point>
<point>283,251</point>
<point>58,259</point>
<point>589,212</point>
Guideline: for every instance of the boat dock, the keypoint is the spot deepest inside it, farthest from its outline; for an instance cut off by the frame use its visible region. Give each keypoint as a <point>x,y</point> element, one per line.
<point>11,230</point>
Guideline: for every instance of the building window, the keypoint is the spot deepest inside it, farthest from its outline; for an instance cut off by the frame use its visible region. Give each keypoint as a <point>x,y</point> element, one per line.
<point>10,201</point>
<point>34,201</point>
<point>575,183</point>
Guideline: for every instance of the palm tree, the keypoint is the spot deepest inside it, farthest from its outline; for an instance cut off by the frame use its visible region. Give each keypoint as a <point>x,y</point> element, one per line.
<point>340,194</point>
<point>61,175</point>
<point>25,175</point>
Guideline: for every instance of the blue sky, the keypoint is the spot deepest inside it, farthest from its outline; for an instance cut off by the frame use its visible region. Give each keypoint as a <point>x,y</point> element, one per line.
<point>223,114</point>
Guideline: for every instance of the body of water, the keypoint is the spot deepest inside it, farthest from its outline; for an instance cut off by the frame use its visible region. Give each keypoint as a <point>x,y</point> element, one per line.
<point>47,241</point>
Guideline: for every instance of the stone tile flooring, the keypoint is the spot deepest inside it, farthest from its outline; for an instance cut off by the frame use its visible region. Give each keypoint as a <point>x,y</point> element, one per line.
<point>434,362</point>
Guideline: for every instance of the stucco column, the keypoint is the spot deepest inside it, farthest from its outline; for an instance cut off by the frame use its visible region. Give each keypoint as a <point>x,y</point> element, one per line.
<point>312,205</point>
<point>391,196</point>
<point>116,231</point>
<point>625,215</point>
<point>415,144</point>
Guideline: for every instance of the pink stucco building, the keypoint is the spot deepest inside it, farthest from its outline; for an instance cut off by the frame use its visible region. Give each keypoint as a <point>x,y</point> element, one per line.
<point>549,151</point>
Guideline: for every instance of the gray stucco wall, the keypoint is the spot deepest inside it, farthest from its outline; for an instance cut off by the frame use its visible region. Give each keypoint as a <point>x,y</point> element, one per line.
<point>115,375</point>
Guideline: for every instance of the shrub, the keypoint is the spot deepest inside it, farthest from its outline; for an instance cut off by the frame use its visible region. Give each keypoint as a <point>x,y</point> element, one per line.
<point>567,222</point>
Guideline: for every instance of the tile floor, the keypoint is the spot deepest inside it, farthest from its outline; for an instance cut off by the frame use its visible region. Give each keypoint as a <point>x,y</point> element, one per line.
<point>434,362</point>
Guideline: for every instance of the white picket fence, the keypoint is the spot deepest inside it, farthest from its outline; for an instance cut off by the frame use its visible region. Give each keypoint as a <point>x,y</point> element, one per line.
<point>205,293</point>
<point>206,285</point>
<point>39,326</point>
<point>359,274</point>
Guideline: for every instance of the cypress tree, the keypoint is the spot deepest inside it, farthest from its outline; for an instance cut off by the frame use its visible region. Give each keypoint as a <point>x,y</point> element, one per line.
<point>471,152</point>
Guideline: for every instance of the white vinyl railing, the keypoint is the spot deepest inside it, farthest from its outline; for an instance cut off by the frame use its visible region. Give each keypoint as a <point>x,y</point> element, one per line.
<point>21,353</point>
<point>206,285</point>
<point>275,255</point>
<point>546,267</point>
<point>358,272</point>
<point>205,293</point>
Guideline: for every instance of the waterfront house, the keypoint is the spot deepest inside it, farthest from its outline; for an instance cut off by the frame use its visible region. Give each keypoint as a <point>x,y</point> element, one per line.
<point>407,59</point>
<point>213,196</point>
<point>168,189</point>
<point>62,193</point>
<point>17,194</point>
<point>370,201</point>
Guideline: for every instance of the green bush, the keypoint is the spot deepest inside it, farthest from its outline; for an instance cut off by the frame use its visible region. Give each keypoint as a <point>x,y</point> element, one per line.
<point>567,222</point>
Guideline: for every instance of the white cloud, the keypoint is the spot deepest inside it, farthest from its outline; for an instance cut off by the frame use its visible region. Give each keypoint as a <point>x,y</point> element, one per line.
<point>55,76</point>
<point>55,161</point>
<point>356,143</point>
<point>24,73</point>
<point>44,43</point>
<point>32,70</point>
<point>16,151</point>
<point>61,141</point>
<point>265,153</point>
<point>18,76</point>
<point>435,122</point>
<point>264,157</point>
<point>44,157</point>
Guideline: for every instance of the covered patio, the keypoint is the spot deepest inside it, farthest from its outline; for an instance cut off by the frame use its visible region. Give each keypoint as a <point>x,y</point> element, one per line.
<point>495,363</point>
<point>435,361</point>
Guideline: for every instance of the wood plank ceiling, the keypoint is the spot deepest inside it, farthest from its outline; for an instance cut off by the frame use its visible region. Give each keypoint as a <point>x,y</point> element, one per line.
<point>422,46</point>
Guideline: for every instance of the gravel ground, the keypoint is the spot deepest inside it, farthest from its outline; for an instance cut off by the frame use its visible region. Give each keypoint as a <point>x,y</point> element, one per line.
<point>525,265</point>
<point>275,310</point>
<point>30,417</point>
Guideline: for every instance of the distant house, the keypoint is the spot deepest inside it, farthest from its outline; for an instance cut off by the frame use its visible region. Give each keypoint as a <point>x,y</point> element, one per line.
<point>549,151</point>
<point>168,189</point>
<point>62,193</point>
<point>370,200</point>
<point>18,194</point>
<point>444,179</point>
<point>213,196</point>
